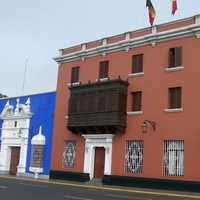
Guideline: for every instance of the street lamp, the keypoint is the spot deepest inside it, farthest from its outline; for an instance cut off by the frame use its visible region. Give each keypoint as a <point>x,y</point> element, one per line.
<point>145,125</point>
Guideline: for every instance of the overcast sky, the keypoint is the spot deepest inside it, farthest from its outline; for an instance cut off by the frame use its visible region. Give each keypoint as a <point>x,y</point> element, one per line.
<point>36,29</point>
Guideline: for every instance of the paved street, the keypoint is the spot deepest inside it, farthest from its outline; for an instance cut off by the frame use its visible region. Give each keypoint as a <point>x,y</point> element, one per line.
<point>11,189</point>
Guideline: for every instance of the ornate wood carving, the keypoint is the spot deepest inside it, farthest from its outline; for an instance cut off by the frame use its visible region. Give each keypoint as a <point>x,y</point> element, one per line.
<point>98,107</point>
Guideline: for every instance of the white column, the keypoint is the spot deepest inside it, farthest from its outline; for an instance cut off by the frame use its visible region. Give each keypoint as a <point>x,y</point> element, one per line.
<point>91,142</point>
<point>127,38</point>
<point>5,158</point>
<point>60,51</point>
<point>92,158</point>
<point>108,159</point>
<point>87,158</point>
<point>197,22</point>
<point>197,19</point>
<point>83,47</point>
<point>104,42</point>
<point>21,169</point>
<point>154,30</point>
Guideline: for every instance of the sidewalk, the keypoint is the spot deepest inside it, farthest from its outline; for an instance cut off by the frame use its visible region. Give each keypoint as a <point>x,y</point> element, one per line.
<point>98,186</point>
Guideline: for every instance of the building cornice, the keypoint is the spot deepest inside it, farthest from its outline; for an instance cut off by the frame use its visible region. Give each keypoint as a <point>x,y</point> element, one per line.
<point>150,39</point>
<point>15,117</point>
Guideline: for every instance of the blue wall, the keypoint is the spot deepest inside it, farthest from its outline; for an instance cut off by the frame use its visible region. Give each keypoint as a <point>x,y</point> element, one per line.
<point>42,107</point>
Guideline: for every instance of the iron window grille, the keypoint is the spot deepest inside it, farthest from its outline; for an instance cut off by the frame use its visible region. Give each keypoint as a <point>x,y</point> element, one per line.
<point>173,158</point>
<point>37,156</point>
<point>69,154</point>
<point>134,156</point>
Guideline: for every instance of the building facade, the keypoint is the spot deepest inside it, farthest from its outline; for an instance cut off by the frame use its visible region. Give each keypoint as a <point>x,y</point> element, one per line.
<point>127,107</point>
<point>26,133</point>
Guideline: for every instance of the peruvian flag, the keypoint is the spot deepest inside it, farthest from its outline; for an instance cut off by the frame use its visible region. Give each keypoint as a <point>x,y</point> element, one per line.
<point>174,6</point>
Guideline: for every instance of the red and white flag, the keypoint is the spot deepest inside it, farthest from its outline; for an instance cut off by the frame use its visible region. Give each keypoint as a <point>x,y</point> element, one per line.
<point>174,6</point>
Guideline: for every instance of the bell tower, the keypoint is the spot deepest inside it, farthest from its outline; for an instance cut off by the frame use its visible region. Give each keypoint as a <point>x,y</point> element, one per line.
<point>14,136</point>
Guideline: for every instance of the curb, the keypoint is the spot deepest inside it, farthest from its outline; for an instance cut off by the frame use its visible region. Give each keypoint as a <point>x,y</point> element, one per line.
<point>115,189</point>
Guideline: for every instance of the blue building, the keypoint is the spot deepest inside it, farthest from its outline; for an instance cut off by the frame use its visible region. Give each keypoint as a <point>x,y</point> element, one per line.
<point>26,124</point>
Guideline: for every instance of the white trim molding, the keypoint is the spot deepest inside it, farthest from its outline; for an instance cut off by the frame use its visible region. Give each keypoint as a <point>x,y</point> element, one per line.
<point>73,84</point>
<point>197,19</point>
<point>102,79</point>
<point>135,113</point>
<point>93,141</point>
<point>136,74</point>
<point>174,110</point>
<point>174,69</point>
<point>152,38</point>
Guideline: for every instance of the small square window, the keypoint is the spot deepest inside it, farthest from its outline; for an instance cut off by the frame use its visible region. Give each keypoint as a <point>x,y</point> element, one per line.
<point>137,63</point>
<point>175,97</point>
<point>136,101</point>
<point>175,57</point>
<point>103,69</point>
<point>75,74</point>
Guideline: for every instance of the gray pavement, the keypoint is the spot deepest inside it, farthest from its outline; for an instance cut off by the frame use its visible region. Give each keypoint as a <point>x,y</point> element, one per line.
<point>19,189</point>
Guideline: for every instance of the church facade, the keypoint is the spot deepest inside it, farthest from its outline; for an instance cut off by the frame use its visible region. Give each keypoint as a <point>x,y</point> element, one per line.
<point>26,133</point>
<point>127,108</point>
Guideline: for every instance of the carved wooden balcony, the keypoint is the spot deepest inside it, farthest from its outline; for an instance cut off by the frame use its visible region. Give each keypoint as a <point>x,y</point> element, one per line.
<point>98,108</point>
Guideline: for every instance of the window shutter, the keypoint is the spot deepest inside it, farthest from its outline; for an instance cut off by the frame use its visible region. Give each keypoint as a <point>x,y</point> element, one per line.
<point>175,98</point>
<point>178,56</point>
<point>175,57</point>
<point>137,63</point>
<point>140,63</point>
<point>75,74</point>
<point>134,64</point>
<point>136,101</point>
<point>103,69</point>
<point>171,57</point>
<point>178,97</point>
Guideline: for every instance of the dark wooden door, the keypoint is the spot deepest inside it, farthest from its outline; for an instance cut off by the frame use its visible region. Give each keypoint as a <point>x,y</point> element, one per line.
<point>15,153</point>
<point>99,162</point>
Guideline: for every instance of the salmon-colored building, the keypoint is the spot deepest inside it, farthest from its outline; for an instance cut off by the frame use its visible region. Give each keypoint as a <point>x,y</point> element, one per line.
<point>127,108</point>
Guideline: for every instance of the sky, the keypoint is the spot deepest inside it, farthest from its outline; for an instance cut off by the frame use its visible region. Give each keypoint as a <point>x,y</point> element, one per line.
<point>31,32</point>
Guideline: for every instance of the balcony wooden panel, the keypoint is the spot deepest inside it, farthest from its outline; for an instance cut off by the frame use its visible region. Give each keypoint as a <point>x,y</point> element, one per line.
<point>98,108</point>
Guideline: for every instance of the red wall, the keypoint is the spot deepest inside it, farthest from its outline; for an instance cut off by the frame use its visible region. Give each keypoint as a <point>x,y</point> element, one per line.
<point>154,85</point>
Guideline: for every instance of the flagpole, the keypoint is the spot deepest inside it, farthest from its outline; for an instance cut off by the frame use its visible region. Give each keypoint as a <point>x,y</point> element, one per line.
<point>24,78</point>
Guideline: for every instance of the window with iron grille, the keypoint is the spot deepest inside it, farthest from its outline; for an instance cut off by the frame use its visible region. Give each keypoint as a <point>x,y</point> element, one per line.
<point>175,97</point>
<point>75,74</point>
<point>37,156</point>
<point>137,63</point>
<point>103,69</point>
<point>173,158</point>
<point>69,154</point>
<point>134,156</point>
<point>175,57</point>
<point>137,101</point>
